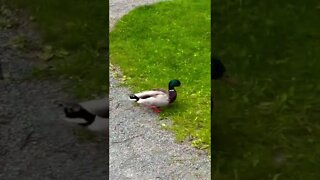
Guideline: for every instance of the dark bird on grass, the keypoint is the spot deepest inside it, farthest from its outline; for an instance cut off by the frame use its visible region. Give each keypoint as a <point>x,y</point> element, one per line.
<point>156,98</point>
<point>218,71</point>
<point>92,114</point>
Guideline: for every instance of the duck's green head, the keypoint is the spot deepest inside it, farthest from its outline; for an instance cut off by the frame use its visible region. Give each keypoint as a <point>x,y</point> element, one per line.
<point>174,83</point>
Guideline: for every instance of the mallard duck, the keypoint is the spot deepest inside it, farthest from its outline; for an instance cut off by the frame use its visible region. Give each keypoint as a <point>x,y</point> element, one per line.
<point>157,97</point>
<point>92,114</point>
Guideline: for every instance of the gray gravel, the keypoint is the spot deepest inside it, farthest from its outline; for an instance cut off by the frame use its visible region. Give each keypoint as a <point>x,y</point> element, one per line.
<point>35,141</point>
<point>139,148</point>
<point>118,8</point>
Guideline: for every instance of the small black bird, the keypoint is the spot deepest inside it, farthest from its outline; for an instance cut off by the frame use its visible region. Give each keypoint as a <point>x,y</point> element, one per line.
<point>218,71</point>
<point>217,68</point>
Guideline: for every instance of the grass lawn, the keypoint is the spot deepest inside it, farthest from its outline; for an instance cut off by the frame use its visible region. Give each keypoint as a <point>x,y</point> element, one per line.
<point>170,40</point>
<point>268,127</point>
<point>75,41</point>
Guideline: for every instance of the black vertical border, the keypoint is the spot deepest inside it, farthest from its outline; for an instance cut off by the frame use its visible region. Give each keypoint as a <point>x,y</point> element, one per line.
<point>211,99</point>
<point>108,83</point>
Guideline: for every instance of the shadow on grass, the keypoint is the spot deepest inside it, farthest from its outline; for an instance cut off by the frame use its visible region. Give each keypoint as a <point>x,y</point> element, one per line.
<point>267,127</point>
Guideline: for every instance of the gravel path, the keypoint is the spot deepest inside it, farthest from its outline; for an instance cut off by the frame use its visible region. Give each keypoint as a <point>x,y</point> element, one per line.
<point>35,142</point>
<point>118,8</point>
<point>139,148</point>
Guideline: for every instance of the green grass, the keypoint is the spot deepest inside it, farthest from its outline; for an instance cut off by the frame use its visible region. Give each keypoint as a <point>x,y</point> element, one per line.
<point>267,127</point>
<point>74,42</point>
<point>170,40</point>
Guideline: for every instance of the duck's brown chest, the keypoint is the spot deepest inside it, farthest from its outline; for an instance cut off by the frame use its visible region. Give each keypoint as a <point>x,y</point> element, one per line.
<point>172,96</point>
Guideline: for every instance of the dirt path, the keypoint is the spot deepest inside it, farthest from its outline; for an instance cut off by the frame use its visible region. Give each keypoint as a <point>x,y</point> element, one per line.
<point>35,142</point>
<point>139,148</point>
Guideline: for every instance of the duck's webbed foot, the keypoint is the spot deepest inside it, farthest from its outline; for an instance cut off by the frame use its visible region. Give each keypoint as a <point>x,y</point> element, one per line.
<point>155,109</point>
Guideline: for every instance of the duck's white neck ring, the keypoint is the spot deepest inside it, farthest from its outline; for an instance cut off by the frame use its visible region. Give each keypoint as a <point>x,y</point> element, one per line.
<point>171,90</point>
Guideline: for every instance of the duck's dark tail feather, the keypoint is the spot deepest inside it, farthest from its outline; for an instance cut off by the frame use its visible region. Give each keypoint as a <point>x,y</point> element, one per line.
<point>76,111</point>
<point>133,98</point>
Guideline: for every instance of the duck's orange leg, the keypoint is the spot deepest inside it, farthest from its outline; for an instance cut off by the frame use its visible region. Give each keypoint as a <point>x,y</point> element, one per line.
<point>155,109</point>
